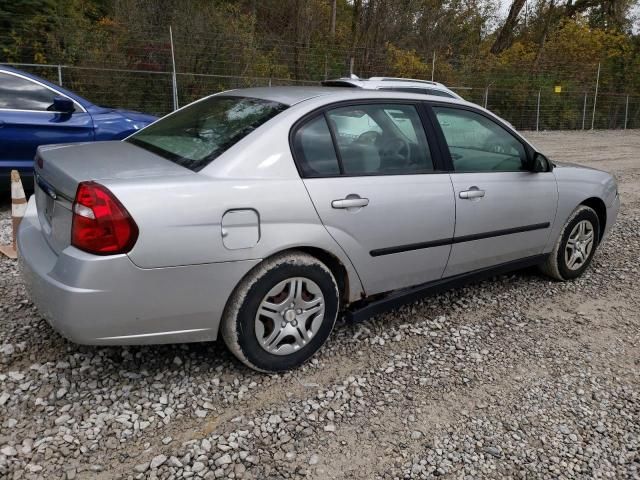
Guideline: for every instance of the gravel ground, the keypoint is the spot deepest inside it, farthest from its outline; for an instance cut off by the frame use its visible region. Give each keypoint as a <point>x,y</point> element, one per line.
<point>518,377</point>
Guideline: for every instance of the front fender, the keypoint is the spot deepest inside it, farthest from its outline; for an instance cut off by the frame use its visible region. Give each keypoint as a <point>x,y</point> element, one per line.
<point>576,185</point>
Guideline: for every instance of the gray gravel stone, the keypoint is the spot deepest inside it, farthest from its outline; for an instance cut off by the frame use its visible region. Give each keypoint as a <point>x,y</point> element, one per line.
<point>158,460</point>
<point>515,377</point>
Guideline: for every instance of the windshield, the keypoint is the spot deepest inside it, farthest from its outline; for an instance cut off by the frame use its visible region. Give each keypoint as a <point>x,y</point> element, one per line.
<point>196,135</point>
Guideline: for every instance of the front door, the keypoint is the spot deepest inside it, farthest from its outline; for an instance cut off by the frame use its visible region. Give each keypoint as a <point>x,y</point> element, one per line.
<point>378,189</point>
<point>504,211</point>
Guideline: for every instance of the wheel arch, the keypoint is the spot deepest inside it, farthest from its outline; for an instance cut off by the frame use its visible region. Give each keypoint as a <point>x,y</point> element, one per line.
<point>334,264</point>
<point>598,205</point>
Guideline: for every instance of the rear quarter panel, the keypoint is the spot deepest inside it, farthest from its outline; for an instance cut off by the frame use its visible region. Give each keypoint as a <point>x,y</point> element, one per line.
<point>180,220</point>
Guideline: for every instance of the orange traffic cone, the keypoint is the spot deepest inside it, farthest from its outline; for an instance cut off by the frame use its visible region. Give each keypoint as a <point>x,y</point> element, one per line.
<point>18,207</point>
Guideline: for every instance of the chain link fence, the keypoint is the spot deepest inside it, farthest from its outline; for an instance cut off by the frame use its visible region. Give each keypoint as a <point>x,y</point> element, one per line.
<point>548,110</point>
<point>152,91</point>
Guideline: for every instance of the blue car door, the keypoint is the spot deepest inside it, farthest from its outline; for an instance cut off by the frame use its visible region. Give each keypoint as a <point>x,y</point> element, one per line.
<point>28,119</point>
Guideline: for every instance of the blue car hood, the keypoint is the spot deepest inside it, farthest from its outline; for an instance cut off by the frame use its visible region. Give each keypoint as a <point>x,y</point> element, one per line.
<point>136,116</point>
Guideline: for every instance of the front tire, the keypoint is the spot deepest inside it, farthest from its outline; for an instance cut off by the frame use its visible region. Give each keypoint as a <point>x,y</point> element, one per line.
<point>281,313</point>
<point>575,247</point>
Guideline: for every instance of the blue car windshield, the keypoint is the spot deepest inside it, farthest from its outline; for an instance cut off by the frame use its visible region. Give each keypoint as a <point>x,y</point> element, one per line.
<point>196,135</point>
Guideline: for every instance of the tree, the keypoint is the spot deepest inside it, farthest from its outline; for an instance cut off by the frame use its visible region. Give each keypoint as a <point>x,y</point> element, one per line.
<point>505,35</point>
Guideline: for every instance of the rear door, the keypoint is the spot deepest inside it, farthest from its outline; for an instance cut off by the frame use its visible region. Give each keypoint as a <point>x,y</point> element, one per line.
<point>27,121</point>
<point>504,211</point>
<point>378,186</point>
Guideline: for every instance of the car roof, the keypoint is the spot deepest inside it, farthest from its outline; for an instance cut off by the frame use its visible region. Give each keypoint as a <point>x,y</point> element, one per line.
<point>388,83</point>
<point>293,95</point>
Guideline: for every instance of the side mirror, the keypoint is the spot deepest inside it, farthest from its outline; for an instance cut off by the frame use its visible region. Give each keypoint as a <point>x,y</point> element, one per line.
<point>62,105</point>
<point>540,163</point>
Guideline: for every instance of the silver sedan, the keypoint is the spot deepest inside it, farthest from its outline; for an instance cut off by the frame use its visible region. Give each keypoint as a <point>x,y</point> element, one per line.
<point>262,214</point>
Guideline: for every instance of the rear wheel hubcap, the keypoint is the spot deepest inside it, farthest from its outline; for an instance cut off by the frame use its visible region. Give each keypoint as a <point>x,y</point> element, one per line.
<point>289,316</point>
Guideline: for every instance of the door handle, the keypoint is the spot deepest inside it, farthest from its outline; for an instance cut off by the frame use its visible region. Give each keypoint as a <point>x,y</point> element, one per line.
<point>351,201</point>
<point>473,192</point>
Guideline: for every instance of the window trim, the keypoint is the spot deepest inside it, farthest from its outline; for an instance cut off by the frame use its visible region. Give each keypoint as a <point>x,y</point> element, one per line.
<point>58,94</point>
<point>439,165</point>
<point>444,147</point>
<point>334,142</point>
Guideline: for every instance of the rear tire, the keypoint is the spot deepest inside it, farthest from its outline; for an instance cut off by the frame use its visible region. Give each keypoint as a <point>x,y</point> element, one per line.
<point>575,247</point>
<point>281,313</point>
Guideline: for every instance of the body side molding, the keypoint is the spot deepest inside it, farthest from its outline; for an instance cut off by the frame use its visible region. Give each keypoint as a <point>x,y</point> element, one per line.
<point>448,241</point>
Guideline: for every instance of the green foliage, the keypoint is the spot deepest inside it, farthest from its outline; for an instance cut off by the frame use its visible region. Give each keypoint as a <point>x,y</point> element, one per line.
<point>406,63</point>
<point>21,25</point>
<point>231,43</point>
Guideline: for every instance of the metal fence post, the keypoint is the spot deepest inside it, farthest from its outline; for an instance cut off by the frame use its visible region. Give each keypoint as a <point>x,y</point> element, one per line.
<point>595,99</point>
<point>486,96</point>
<point>60,75</point>
<point>433,65</point>
<point>584,109</point>
<point>174,80</point>
<point>538,113</point>
<point>626,112</point>
<point>326,66</point>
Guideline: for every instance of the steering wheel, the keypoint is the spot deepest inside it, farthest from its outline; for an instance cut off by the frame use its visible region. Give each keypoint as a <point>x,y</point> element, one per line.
<point>395,152</point>
<point>368,138</point>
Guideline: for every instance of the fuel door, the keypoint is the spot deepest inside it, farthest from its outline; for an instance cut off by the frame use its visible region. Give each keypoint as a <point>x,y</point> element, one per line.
<point>240,229</point>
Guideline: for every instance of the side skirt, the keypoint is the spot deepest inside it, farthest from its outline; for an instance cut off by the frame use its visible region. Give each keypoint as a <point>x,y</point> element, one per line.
<point>363,310</point>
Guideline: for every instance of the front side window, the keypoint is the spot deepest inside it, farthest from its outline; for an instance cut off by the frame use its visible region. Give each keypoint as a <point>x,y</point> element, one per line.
<point>380,139</point>
<point>196,135</point>
<point>17,93</point>
<point>477,144</point>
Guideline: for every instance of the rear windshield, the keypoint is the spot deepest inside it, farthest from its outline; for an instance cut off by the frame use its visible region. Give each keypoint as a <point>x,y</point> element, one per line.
<point>196,135</point>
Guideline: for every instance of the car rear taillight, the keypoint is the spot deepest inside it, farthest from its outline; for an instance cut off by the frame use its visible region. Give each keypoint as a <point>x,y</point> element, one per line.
<point>101,225</point>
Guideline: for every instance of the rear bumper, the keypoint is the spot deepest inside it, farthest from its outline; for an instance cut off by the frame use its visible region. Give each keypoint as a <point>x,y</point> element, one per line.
<point>110,301</point>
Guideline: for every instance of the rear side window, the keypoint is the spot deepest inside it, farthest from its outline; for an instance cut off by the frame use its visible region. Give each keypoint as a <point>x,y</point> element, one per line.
<point>380,139</point>
<point>314,149</point>
<point>196,135</point>
<point>17,93</point>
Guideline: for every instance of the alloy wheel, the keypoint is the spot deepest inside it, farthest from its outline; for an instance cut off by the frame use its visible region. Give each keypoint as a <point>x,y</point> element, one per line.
<point>579,245</point>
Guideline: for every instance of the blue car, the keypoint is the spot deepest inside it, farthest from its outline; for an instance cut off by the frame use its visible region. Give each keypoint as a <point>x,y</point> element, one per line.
<point>36,112</point>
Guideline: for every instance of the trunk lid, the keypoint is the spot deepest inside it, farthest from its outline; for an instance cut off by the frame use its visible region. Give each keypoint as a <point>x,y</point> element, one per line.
<point>65,166</point>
